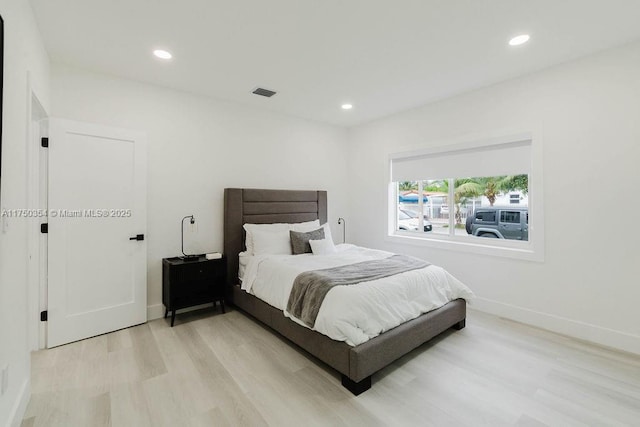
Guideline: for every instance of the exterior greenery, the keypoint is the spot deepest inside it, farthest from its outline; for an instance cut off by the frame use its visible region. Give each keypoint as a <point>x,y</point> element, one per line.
<point>468,188</point>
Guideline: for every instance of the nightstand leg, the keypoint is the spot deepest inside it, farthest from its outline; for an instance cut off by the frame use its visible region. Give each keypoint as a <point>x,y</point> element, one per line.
<point>173,317</point>
<point>222,304</point>
<point>166,312</point>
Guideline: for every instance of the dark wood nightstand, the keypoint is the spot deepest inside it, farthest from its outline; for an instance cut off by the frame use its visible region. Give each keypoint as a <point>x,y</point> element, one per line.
<point>189,283</point>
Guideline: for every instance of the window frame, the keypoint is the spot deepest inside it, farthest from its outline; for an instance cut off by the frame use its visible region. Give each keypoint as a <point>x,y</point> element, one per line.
<point>531,250</point>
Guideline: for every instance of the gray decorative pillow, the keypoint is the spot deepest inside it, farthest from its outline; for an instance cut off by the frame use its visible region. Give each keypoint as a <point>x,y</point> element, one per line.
<point>300,241</point>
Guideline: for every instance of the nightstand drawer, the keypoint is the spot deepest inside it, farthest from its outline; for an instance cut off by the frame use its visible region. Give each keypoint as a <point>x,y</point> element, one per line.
<point>201,273</point>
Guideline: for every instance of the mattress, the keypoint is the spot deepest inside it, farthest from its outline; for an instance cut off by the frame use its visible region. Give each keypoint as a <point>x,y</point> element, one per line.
<point>353,314</point>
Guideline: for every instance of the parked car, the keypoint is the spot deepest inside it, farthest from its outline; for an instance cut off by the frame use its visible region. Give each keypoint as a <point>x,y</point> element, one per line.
<point>499,223</point>
<point>408,220</point>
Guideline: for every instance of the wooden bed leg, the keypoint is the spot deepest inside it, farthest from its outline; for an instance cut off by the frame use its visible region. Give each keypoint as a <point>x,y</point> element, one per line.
<point>356,387</point>
<point>460,325</point>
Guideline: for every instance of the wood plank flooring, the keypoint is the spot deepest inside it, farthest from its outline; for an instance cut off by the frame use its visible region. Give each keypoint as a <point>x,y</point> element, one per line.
<point>226,369</point>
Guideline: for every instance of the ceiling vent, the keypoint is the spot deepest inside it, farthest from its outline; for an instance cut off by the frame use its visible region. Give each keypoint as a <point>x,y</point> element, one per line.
<point>263,92</point>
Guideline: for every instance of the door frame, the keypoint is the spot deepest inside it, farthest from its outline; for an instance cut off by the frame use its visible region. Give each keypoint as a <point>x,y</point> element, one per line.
<point>36,175</point>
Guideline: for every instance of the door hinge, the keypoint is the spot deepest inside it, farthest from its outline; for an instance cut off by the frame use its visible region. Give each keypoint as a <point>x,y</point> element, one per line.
<point>44,316</point>
<point>44,228</point>
<point>44,142</point>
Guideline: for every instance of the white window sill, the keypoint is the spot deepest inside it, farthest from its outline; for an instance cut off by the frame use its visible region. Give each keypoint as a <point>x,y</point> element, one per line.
<point>469,244</point>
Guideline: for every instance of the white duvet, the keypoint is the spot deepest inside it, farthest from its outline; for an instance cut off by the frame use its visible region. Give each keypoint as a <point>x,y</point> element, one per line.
<point>355,313</point>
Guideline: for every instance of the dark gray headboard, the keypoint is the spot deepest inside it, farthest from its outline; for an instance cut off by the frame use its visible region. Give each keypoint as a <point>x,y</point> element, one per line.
<point>254,206</point>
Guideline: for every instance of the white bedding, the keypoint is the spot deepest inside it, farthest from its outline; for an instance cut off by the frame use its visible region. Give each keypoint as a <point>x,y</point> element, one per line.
<point>356,313</point>
<point>244,259</point>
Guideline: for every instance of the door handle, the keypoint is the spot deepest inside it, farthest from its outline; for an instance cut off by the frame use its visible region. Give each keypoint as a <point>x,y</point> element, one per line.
<point>137,237</point>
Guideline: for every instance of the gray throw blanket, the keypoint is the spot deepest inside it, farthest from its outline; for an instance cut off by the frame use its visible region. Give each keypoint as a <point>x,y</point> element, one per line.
<point>310,287</point>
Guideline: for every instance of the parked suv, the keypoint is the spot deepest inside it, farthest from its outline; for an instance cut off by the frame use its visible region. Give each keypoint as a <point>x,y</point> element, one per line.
<point>408,220</point>
<point>499,223</point>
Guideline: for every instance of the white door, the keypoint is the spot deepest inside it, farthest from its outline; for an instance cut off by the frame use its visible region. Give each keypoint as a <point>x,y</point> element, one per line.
<point>97,203</point>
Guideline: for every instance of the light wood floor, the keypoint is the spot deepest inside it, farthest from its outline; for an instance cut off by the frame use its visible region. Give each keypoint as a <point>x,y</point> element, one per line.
<point>215,369</point>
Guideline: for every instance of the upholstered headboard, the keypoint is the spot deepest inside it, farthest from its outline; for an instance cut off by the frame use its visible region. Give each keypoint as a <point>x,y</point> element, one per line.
<point>254,206</point>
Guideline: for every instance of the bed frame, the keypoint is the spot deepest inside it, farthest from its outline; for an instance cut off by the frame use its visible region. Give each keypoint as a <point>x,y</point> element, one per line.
<point>356,364</point>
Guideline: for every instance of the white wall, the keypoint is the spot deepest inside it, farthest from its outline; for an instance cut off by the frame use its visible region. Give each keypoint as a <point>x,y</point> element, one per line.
<point>586,115</point>
<point>584,112</point>
<point>197,146</point>
<point>24,53</point>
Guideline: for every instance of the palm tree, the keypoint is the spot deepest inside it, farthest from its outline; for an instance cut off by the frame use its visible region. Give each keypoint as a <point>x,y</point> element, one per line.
<point>464,189</point>
<point>441,186</point>
<point>407,185</point>
<point>492,187</point>
<point>516,182</point>
<point>496,185</point>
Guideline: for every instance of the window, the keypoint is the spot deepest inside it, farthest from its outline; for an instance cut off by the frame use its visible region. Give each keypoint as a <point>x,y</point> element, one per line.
<point>510,217</point>
<point>486,216</point>
<point>464,195</point>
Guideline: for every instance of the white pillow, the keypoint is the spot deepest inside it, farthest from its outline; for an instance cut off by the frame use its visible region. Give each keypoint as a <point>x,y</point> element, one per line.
<point>271,242</point>
<point>251,228</point>
<point>322,247</point>
<point>305,227</point>
<point>300,226</point>
<point>327,232</point>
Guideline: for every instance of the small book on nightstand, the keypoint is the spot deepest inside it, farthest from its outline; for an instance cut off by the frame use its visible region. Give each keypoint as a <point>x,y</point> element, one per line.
<point>214,255</point>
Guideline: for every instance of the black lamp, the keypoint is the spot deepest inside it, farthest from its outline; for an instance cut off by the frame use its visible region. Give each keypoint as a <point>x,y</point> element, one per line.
<point>192,220</point>
<point>344,229</point>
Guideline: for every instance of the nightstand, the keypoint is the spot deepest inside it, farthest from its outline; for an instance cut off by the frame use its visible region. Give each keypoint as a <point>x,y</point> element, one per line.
<point>189,283</point>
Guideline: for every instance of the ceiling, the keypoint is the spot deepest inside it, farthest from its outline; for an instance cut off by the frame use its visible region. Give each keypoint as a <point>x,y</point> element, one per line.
<point>381,56</point>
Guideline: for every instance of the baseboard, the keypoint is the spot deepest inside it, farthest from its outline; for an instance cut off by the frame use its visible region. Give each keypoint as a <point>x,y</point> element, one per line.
<point>20,407</point>
<point>156,311</point>
<point>573,328</point>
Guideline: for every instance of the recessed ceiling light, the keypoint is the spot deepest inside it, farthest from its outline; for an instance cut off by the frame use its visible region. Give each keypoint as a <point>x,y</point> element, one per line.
<point>347,106</point>
<point>162,54</point>
<point>518,40</point>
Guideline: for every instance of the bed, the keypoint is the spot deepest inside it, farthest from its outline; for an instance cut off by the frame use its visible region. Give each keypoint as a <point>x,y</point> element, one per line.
<point>356,364</point>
